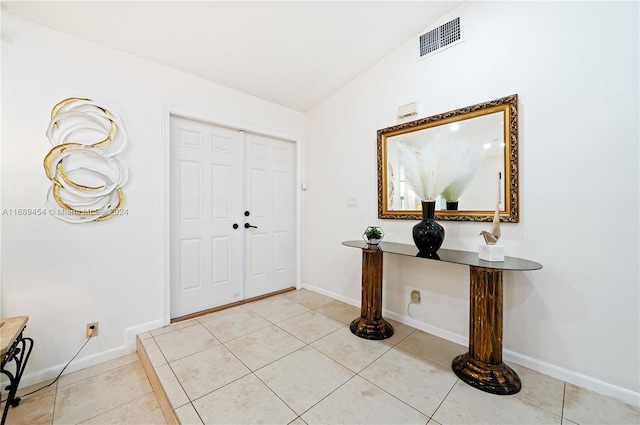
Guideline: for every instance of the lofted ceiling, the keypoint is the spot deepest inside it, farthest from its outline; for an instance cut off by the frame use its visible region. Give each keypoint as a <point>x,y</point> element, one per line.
<point>293,53</point>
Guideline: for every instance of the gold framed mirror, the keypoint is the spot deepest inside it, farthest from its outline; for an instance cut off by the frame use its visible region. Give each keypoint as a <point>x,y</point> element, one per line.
<point>489,130</point>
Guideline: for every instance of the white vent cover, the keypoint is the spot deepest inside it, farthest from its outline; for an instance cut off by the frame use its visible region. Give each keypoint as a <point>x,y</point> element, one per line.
<point>446,35</point>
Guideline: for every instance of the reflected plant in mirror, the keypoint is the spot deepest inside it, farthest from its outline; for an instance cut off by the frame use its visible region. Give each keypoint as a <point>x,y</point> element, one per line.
<point>465,160</point>
<point>438,169</point>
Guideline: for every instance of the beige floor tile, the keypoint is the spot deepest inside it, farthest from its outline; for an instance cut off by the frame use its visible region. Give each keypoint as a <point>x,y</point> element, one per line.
<point>400,384</point>
<point>232,326</point>
<point>340,311</point>
<point>400,332</point>
<point>171,386</point>
<point>145,335</point>
<point>174,327</point>
<point>258,304</point>
<point>360,402</point>
<point>33,410</point>
<point>95,395</point>
<point>540,390</point>
<point>349,350</point>
<point>310,326</point>
<point>419,383</point>
<point>432,348</point>
<point>153,352</point>
<point>26,390</point>
<point>97,369</point>
<point>141,411</point>
<point>263,347</point>
<point>308,298</point>
<point>187,415</point>
<point>468,405</point>
<point>245,401</point>
<point>278,309</point>
<point>303,378</point>
<point>208,370</point>
<point>587,407</point>
<point>221,313</point>
<point>184,342</point>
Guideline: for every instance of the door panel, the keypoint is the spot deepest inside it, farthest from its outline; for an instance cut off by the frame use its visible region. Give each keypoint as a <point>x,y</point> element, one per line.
<point>270,198</point>
<point>190,270</point>
<point>206,195</point>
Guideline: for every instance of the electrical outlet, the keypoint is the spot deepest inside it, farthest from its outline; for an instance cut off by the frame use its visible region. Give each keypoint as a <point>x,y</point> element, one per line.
<point>89,328</point>
<point>415,296</point>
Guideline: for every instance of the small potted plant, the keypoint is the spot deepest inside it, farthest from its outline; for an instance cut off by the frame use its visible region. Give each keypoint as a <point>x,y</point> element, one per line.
<point>373,235</point>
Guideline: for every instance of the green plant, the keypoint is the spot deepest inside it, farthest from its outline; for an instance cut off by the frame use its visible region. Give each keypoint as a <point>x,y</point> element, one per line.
<point>373,232</point>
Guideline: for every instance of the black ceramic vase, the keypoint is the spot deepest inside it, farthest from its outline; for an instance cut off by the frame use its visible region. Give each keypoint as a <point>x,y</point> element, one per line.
<point>452,205</point>
<point>428,234</point>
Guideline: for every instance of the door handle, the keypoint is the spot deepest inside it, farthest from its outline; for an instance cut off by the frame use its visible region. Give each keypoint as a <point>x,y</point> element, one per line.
<point>247,225</point>
<point>235,225</point>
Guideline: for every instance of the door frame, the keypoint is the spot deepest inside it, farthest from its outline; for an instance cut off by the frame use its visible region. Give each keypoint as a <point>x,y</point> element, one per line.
<point>166,195</point>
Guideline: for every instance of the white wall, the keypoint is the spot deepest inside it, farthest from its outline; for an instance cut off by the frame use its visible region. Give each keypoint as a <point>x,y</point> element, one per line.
<point>61,275</point>
<point>575,68</point>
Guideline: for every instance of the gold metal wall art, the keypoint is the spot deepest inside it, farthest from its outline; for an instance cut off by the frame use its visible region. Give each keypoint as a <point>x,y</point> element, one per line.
<point>86,175</point>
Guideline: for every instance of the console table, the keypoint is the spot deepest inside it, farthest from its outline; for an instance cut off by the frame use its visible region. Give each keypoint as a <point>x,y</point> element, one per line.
<point>482,366</point>
<point>14,350</point>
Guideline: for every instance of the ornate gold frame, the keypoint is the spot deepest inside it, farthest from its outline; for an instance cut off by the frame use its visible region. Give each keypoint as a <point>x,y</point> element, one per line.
<point>509,106</point>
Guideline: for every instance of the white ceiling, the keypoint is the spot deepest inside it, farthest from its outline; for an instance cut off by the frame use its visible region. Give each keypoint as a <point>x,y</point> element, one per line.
<point>294,53</point>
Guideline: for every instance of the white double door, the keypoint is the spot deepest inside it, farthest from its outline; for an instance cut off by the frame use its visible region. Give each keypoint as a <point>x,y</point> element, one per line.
<point>233,221</point>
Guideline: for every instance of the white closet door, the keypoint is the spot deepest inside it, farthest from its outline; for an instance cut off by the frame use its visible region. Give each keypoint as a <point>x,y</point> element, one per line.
<point>206,198</point>
<point>218,175</point>
<point>270,247</point>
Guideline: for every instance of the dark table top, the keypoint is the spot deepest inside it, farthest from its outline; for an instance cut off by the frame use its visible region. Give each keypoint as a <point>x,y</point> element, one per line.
<point>448,255</point>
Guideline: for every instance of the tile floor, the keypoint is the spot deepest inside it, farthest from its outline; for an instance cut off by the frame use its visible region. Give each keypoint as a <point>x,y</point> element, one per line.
<point>291,359</point>
<point>92,396</point>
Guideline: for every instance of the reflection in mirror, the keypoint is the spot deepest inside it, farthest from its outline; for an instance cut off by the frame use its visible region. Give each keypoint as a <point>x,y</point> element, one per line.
<point>466,160</point>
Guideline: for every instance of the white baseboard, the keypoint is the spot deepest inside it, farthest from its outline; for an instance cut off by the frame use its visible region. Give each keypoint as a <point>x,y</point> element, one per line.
<point>128,347</point>
<point>425,327</point>
<point>132,332</point>
<point>322,291</point>
<point>623,394</point>
<point>572,377</point>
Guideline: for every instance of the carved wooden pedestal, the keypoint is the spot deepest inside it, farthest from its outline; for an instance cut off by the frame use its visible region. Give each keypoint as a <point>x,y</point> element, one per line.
<point>482,366</point>
<point>370,324</point>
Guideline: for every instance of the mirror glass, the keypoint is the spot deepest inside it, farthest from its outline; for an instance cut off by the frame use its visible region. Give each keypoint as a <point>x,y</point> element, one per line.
<point>478,144</point>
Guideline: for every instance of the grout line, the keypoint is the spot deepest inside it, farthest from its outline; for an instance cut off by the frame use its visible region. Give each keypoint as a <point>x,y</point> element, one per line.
<point>55,399</point>
<point>564,394</point>
<point>197,413</point>
<point>444,398</point>
<point>126,402</point>
<point>274,393</point>
<point>393,395</point>
<point>328,395</point>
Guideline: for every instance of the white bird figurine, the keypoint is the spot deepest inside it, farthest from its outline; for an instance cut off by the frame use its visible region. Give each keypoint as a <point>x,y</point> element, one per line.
<point>492,237</point>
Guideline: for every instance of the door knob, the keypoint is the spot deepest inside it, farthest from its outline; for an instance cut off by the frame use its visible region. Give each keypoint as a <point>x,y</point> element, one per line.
<point>235,225</point>
<point>247,225</point>
<point>247,213</point>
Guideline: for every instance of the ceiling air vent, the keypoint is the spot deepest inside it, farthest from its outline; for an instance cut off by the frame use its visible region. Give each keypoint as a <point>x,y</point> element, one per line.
<point>446,35</point>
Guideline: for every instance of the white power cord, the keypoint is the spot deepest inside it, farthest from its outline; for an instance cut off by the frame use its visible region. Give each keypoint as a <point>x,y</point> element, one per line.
<point>408,306</point>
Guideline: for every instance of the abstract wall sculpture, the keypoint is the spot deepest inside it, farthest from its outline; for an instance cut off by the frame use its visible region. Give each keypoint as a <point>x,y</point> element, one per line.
<point>86,175</point>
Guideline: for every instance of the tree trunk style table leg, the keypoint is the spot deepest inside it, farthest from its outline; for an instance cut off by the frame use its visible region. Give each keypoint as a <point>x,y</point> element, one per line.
<point>482,366</point>
<point>370,324</point>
